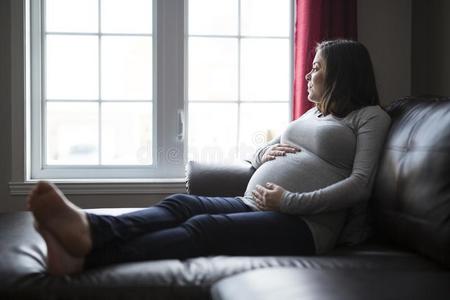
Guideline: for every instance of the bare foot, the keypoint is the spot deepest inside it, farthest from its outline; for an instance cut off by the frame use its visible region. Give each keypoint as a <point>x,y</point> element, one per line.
<point>59,262</point>
<point>63,220</point>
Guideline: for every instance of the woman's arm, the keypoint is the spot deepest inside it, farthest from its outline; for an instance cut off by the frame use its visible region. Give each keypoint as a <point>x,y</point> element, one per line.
<point>270,151</point>
<point>257,159</point>
<point>371,132</point>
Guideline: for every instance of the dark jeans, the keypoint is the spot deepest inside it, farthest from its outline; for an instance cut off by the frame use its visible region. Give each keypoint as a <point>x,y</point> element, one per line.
<point>184,226</point>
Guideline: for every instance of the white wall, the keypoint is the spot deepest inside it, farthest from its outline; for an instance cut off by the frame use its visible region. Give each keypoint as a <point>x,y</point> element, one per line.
<point>5,105</point>
<point>384,26</point>
<point>431,48</point>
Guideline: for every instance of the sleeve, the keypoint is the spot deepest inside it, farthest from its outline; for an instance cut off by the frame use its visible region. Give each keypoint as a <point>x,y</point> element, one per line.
<point>256,160</point>
<point>370,135</point>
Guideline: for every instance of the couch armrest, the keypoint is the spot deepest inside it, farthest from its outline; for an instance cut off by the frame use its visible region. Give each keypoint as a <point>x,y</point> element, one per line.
<point>217,179</point>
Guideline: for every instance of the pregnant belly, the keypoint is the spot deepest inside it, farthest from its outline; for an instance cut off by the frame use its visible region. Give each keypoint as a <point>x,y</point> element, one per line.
<point>298,172</point>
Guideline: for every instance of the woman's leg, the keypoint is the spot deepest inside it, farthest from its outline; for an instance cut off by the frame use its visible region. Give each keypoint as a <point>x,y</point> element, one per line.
<point>68,230</point>
<point>169,213</point>
<point>247,233</point>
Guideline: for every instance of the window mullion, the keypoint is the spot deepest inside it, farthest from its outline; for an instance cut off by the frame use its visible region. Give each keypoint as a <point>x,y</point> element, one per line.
<point>36,74</point>
<point>100,106</point>
<point>238,127</point>
<point>170,86</point>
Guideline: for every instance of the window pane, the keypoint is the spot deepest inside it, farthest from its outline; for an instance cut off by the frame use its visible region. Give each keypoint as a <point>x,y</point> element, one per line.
<point>260,122</point>
<point>127,133</point>
<point>265,17</point>
<point>72,133</point>
<point>126,16</point>
<point>126,68</point>
<point>213,17</point>
<point>265,69</point>
<point>213,68</point>
<point>72,67</point>
<point>71,15</point>
<point>212,132</point>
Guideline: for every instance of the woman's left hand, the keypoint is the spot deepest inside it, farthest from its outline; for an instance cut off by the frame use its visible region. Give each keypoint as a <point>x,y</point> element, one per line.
<point>268,197</point>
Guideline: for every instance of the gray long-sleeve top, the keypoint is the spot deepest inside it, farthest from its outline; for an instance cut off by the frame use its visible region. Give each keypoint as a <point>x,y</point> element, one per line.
<point>328,182</point>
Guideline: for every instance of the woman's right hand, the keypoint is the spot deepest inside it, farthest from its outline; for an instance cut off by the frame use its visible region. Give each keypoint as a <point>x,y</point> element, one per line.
<point>278,150</point>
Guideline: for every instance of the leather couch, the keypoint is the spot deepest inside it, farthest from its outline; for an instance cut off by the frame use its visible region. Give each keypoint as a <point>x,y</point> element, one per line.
<point>407,258</point>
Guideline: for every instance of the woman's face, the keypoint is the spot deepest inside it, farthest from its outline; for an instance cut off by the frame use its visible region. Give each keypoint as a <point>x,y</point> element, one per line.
<point>316,79</point>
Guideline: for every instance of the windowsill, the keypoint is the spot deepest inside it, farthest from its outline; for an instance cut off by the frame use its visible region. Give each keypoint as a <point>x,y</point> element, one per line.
<point>107,187</point>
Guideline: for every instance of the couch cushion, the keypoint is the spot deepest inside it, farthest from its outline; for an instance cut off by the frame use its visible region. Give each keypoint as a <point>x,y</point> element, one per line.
<point>412,191</point>
<point>293,283</point>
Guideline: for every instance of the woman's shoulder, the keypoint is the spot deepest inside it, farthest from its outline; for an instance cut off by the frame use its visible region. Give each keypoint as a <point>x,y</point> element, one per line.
<point>309,114</point>
<point>369,111</point>
<point>373,114</point>
<point>312,111</point>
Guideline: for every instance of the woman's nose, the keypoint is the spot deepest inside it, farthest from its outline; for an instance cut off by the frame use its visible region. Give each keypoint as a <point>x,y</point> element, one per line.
<point>308,76</point>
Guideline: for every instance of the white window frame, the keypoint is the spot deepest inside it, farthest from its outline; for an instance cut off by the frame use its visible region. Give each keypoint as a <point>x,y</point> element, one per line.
<point>170,57</point>
<point>168,103</point>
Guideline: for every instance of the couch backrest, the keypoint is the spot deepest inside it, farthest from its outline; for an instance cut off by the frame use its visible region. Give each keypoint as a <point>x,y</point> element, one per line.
<point>412,189</point>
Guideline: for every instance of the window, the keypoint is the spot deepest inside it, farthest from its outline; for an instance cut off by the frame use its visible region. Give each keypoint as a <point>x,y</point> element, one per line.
<point>239,76</point>
<point>133,89</point>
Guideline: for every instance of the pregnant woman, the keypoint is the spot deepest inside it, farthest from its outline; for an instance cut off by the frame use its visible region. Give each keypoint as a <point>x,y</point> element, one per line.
<point>297,202</point>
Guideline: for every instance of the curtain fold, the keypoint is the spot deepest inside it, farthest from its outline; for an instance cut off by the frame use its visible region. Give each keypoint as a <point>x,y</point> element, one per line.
<point>317,20</point>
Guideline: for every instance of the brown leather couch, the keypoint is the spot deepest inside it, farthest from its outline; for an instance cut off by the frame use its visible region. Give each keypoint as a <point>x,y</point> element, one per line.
<point>408,257</point>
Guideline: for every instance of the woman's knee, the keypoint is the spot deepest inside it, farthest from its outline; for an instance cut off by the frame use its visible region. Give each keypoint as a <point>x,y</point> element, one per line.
<point>181,200</point>
<point>182,205</point>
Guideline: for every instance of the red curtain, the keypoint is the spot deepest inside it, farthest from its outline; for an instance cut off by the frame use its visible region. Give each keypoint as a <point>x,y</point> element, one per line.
<point>317,20</point>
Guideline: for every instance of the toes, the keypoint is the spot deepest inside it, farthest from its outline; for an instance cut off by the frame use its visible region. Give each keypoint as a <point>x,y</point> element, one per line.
<point>40,188</point>
<point>44,187</point>
<point>31,197</point>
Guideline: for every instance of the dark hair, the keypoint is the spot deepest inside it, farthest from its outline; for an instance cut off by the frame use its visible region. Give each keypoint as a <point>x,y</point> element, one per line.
<point>349,77</point>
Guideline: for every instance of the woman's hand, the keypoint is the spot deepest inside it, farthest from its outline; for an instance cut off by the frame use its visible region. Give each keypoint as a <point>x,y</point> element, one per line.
<point>268,197</point>
<point>278,150</point>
